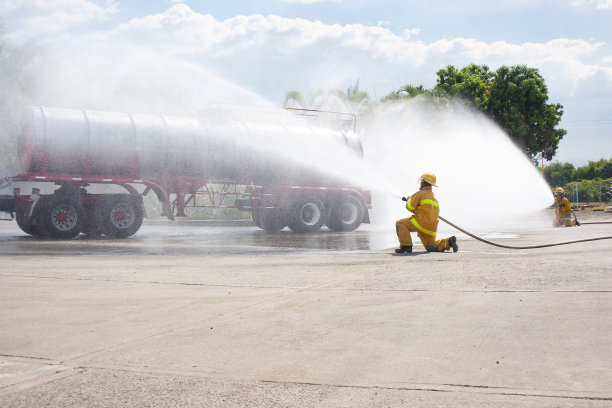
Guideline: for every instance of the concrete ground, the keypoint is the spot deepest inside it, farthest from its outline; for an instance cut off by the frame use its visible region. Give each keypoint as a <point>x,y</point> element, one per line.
<point>226,323</point>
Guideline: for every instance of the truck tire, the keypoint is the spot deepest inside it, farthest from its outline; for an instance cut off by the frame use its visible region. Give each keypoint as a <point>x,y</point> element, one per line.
<point>61,217</point>
<point>26,226</point>
<point>306,214</point>
<point>346,214</point>
<point>270,220</point>
<point>257,215</point>
<point>119,215</point>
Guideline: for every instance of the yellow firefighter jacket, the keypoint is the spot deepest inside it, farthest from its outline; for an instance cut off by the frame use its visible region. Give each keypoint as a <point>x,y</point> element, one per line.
<point>425,207</point>
<point>564,207</point>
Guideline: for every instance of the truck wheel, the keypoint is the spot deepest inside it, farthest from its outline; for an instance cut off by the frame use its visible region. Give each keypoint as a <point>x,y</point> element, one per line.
<point>346,214</point>
<point>257,215</point>
<point>306,214</point>
<point>26,226</point>
<point>270,220</point>
<point>61,217</point>
<point>118,216</point>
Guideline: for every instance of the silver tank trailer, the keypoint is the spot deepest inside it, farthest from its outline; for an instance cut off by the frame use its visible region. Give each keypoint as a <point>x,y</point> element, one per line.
<point>221,147</point>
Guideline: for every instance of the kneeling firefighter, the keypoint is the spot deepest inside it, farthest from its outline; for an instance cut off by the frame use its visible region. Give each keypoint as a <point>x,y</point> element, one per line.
<point>424,205</point>
<point>563,210</point>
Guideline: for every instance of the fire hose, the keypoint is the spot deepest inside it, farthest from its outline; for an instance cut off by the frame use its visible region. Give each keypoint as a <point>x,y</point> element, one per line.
<point>527,246</point>
<point>587,223</point>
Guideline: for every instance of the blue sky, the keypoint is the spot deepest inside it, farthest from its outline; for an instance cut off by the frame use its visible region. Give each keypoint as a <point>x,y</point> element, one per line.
<point>265,48</point>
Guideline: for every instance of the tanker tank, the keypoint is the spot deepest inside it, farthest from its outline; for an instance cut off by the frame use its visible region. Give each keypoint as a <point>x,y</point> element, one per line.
<point>219,144</point>
<point>270,165</point>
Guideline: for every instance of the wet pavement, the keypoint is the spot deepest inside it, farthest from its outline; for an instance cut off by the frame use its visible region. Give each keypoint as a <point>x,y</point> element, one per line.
<point>215,316</point>
<point>167,238</point>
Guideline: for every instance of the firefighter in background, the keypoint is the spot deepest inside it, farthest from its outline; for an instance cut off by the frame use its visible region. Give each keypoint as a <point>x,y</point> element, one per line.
<point>424,222</point>
<point>563,210</point>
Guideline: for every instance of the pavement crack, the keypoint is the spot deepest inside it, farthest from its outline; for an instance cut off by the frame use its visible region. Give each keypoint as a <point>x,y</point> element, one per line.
<point>450,388</point>
<point>155,282</point>
<point>310,287</point>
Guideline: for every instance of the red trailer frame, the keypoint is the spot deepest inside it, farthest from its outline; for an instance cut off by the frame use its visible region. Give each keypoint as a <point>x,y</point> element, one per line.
<point>272,207</point>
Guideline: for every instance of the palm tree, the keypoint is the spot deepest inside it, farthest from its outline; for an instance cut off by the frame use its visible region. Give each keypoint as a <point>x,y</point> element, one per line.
<point>351,101</point>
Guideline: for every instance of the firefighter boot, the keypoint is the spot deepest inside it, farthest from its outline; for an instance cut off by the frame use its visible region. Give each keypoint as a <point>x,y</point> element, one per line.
<point>452,242</point>
<point>402,249</point>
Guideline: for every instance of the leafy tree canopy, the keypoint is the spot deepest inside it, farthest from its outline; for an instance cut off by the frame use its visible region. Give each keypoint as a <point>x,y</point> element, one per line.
<point>589,191</point>
<point>518,103</point>
<point>586,184</point>
<point>559,174</point>
<point>471,83</point>
<point>514,97</point>
<point>406,91</point>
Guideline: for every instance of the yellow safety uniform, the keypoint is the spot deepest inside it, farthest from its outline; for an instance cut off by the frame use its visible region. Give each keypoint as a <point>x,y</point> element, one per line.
<point>563,212</point>
<point>424,222</point>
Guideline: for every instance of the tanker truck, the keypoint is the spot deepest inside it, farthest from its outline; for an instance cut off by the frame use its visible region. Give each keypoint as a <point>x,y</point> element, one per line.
<point>220,158</point>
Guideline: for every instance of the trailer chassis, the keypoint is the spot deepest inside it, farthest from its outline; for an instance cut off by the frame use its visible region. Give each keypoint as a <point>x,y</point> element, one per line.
<point>71,209</point>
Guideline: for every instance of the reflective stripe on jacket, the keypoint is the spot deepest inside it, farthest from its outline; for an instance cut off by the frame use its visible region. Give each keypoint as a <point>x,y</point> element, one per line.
<point>425,207</point>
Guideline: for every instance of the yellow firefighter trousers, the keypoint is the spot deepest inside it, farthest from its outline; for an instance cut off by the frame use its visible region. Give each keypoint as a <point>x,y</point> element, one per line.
<point>404,227</point>
<point>563,215</point>
<point>568,222</point>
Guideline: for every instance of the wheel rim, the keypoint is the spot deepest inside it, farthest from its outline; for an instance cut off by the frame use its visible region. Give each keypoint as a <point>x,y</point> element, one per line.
<point>122,215</point>
<point>348,213</point>
<point>64,217</point>
<point>310,214</point>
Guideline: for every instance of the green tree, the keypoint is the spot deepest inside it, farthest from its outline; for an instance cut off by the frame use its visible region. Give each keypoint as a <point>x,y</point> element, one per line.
<point>356,96</point>
<point>558,174</point>
<point>604,168</point>
<point>514,97</point>
<point>406,91</point>
<point>518,104</point>
<point>421,98</point>
<point>353,100</point>
<point>595,169</point>
<point>589,191</point>
<point>472,84</point>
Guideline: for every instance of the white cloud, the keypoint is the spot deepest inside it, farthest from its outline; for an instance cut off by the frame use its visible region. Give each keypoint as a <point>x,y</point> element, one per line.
<point>45,17</point>
<point>599,4</point>
<point>181,31</point>
<point>10,5</point>
<point>311,1</point>
<point>255,47</point>
<point>409,32</point>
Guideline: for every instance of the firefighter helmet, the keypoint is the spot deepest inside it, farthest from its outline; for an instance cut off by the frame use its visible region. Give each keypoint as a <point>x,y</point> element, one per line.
<point>559,191</point>
<point>429,178</point>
